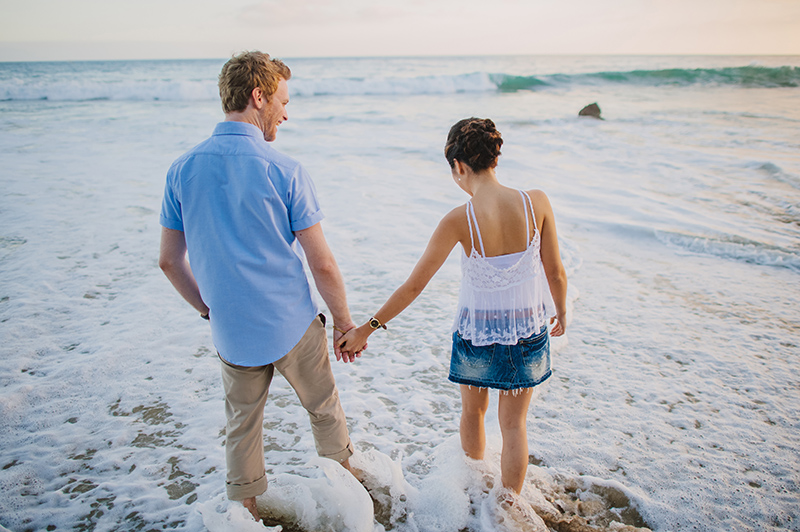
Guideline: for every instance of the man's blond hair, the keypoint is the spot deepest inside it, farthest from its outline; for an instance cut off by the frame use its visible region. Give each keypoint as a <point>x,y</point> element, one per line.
<point>246,71</point>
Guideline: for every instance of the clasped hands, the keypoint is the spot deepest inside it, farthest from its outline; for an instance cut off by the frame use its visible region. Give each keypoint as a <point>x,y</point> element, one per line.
<point>348,344</point>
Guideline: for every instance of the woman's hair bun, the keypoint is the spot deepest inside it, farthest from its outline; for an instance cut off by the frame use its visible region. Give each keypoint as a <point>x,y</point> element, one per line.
<point>475,142</point>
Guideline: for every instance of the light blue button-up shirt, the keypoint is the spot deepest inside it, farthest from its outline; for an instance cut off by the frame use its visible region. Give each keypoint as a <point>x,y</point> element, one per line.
<point>239,202</point>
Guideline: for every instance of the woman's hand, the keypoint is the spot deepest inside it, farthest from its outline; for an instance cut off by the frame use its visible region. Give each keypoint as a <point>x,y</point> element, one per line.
<point>560,326</point>
<point>353,342</point>
<point>338,332</point>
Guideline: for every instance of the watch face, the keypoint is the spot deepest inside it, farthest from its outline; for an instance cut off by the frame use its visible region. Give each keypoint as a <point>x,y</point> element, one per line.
<point>374,323</point>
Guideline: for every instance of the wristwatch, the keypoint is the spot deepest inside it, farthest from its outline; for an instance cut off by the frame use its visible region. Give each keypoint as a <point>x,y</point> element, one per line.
<point>375,323</point>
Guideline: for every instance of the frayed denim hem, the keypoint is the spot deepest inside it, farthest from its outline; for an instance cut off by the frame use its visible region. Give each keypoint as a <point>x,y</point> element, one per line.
<point>502,386</point>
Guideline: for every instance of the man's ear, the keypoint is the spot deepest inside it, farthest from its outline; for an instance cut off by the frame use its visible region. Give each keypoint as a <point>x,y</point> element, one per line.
<point>258,98</point>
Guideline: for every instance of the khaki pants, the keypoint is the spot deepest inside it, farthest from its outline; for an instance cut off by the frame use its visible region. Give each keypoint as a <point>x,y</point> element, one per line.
<point>307,368</point>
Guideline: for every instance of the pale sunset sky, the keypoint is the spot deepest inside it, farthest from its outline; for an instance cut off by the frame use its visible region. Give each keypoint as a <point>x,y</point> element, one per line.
<point>32,30</point>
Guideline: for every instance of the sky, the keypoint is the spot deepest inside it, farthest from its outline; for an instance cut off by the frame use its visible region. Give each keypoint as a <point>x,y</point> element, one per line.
<point>35,30</point>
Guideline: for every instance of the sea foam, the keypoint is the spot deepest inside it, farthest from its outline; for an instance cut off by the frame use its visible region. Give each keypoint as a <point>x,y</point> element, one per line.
<point>733,247</point>
<point>457,494</point>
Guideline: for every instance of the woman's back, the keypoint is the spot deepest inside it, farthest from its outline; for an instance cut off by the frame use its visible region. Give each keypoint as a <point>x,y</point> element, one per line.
<point>504,222</point>
<point>504,295</point>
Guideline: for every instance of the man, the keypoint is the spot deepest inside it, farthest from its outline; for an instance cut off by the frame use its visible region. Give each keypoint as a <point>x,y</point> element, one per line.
<point>236,206</point>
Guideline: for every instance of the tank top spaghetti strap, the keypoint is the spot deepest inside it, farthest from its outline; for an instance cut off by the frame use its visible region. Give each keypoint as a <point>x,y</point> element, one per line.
<point>505,297</point>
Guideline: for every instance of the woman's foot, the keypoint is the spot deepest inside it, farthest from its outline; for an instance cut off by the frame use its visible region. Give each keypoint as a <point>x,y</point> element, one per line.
<point>515,513</point>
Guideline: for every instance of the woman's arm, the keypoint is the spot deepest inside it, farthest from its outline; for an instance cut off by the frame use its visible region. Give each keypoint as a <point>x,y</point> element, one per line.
<point>551,259</point>
<point>442,242</point>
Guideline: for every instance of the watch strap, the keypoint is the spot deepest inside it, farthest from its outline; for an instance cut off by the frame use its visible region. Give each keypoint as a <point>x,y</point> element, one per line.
<point>375,323</point>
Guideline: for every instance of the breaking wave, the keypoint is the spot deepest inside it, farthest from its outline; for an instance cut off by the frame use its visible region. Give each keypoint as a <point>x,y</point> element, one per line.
<point>122,80</point>
<point>733,247</point>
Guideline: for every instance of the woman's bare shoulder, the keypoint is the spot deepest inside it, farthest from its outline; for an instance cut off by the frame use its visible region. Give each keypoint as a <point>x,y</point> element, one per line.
<point>455,221</point>
<point>456,213</point>
<point>536,193</point>
<point>539,199</point>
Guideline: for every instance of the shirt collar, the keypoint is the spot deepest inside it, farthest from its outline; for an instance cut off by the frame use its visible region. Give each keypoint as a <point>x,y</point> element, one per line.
<point>231,127</point>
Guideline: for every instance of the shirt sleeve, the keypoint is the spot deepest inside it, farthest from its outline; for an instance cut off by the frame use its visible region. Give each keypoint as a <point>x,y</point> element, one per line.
<point>304,207</point>
<point>171,214</point>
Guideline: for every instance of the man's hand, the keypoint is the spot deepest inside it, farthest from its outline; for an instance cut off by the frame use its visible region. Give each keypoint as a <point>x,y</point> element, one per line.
<point>343,355</point>
<point>354,341</point>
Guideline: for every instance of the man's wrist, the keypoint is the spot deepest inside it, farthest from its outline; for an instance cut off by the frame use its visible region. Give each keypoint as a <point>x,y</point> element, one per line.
<point>343,326</point>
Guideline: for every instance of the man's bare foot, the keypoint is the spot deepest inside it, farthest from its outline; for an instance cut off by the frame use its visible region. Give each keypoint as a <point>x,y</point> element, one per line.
<point>250,504</point>
<point>353,471</point>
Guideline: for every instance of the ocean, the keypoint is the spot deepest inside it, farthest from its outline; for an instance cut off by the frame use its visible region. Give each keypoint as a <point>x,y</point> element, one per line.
<point>675,398</point>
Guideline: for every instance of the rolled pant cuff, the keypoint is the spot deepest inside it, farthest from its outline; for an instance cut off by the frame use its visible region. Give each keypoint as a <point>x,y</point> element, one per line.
<point>240,492</point>
<point>342,455</point>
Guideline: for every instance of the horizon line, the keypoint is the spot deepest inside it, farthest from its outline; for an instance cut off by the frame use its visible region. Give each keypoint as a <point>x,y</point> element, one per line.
<point>412,56</point>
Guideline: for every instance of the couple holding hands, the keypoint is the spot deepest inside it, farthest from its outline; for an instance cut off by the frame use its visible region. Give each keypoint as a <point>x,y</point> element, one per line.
<point>235,206</point>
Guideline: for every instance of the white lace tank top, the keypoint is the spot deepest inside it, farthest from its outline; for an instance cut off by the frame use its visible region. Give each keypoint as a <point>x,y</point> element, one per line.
<point>503,298</point>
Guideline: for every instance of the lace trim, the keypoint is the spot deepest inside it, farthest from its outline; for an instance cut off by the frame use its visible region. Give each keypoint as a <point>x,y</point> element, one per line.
<point>482,275</point>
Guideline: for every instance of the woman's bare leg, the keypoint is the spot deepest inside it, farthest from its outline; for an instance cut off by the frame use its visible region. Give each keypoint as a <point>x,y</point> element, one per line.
<point>474,402</point>
<point>512,414</point>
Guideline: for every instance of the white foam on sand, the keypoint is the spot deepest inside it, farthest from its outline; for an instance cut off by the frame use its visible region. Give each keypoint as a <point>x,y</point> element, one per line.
<point>457,493</point>
<point>322,496</point>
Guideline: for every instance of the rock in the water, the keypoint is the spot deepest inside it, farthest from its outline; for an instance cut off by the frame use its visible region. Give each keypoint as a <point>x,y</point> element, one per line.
<point>592,110</point>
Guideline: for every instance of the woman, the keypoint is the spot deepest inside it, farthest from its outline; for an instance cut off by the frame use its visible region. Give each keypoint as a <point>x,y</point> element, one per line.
<point>511,258</point>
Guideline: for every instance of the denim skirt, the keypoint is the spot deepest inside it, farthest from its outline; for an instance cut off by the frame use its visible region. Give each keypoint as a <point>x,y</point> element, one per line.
<point>504,367</point>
